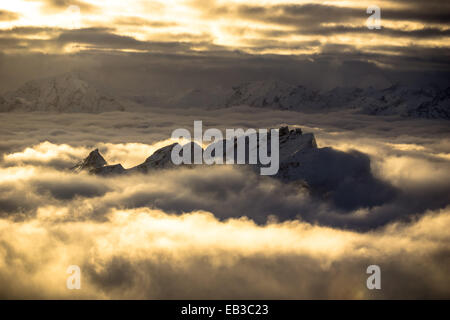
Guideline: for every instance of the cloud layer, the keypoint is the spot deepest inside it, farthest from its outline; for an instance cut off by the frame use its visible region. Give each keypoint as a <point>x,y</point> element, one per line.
<point>145,253</point>
<point>220,232</point>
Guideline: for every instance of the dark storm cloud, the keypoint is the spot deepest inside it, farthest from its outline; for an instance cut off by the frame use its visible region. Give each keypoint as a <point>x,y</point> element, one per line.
<point>236,194</point>
<point>16,201</point>
<point>163,279</point>
<point>275,44</point>
<point>173,67</point>
<point>419,4</point>
<point>151,74</point>
<point>105,38</point>
<point>345,178</point>
<point>8,15</point>
<point>424,14</point>
<point>307,15</point>
<point>28,44</point>
<point>424,33</point>
<point>295,15</point>
<point>273,32</point>
<point>312,24</point>
<point>26,38</point>
<point>69,188</point>
<point>99,37</point>
<point>226,193</point>
<point>33,31</point>
<point>310,30</point>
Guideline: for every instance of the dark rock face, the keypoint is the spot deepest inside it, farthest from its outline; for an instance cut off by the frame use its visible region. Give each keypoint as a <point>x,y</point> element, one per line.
<point>108,170</point>
<point>93,161</point>
<point>342,177</point>
<point>96,164</point>
<point>283,131</point>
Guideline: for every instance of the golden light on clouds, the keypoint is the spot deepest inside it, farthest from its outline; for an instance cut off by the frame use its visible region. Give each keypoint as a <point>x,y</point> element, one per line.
<point>142,243</point>
<point>274,25</point>
<point>375,192</point>
<point>224,232</point>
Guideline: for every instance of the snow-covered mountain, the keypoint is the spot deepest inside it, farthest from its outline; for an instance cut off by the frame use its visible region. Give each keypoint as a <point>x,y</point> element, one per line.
<point>425,102</point>
<point>95,163</point>
<point>92,161</point>
<point>273,94</point>
<point>64,93</point>
<point>343,177</point>
<point>160,159</point>
<point>213,98</point>
<point>69,93</point>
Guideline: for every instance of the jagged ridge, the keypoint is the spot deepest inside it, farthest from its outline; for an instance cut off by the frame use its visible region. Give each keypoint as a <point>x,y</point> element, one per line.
<point>426,102</point>
<point>345,178</point>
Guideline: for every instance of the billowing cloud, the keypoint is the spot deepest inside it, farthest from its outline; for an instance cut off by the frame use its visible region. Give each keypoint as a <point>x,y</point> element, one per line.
<point>409,178</point>
<point>220,232</point>
<point>224,231</point>
<point>149,254</point>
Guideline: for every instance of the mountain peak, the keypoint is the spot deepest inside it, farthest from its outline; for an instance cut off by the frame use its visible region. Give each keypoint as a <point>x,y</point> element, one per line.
<point>62,93</point>
<point>325,172</point>
<point>93,161</point>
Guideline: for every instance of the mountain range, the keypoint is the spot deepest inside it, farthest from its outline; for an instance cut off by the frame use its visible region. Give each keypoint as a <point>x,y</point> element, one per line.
<point>69,93</point>
<point>429,102</point>
<point>64,93</point>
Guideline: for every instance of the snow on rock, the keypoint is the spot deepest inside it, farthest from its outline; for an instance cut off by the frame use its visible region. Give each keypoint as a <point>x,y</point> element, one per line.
<point>160,159</point>
<point>213,98</point>
<point>273,94</point>
<point>93,161</point>
<point>342,177</point>
<point>64,93</point>
<point>425,102</point>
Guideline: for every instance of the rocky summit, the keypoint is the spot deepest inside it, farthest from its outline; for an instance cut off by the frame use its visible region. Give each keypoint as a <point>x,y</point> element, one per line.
<point>344,177</point>
<point>93,161</point>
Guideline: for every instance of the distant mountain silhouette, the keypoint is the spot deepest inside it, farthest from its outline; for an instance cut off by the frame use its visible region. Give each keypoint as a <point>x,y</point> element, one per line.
<point>426,102</point>
<point>64,93</point>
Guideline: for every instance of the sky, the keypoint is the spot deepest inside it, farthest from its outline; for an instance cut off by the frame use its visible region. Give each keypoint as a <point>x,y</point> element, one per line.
<point>289,40</point>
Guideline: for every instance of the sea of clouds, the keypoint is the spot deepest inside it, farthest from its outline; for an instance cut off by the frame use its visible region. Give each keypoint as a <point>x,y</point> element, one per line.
<point>218,232</point>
